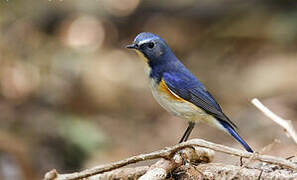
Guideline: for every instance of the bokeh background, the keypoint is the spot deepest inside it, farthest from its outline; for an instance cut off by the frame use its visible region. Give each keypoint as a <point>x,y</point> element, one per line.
<point>71,95</point>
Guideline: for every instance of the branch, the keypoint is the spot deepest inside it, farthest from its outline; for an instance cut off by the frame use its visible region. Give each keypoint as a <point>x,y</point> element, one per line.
<point>160,169</point>
<point>204,171</point>
<point>167,153</point>
<point>225,171</point>
<point>122,173</point>
<point>286,124</point>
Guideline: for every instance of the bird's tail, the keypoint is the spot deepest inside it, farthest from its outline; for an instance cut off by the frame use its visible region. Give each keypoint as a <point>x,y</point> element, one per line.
<point>233,133</point>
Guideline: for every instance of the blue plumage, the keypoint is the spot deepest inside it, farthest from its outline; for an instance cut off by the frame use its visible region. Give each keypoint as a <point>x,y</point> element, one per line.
<point>236,136</point>
<point>165,67</point>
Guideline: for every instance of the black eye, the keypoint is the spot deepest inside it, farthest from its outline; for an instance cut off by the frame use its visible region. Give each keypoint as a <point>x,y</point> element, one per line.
<point>150,45</point>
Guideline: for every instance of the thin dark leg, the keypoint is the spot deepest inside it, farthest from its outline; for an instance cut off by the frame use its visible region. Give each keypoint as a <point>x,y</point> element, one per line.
<point>187,132</point>
<point>187,136</point>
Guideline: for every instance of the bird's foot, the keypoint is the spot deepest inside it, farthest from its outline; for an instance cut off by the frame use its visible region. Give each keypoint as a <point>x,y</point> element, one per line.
<point>241,161</point>
<point>183,157</point>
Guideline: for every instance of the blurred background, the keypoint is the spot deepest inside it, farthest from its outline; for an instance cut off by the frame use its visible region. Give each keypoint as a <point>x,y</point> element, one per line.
<point>71,95</point>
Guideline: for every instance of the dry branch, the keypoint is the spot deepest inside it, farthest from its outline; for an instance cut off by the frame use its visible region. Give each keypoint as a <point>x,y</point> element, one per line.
<point>168,153</point>
<point>225,171</point>
<point>122,173</point>
<point>160,169</point>
<point>204,171</point>
<point>286,124</point>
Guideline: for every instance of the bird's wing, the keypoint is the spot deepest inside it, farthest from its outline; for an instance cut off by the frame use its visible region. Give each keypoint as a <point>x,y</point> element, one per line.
<point>190,89</point>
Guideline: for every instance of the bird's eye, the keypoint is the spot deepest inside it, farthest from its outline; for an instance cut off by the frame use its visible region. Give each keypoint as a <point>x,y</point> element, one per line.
<point>150,45</point>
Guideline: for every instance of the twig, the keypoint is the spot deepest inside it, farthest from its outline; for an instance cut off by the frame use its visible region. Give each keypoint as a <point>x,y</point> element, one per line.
<point>225,171</point>
<point>160,169</point>
<point>122,173</point>
<point>259,178</point>
<point>167,153</point>
<point>252,158</point>
<point>286,124</point>
<point>204,171</point>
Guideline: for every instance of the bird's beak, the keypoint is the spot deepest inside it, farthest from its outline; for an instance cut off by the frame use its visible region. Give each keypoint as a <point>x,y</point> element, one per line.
<point>132,46</point>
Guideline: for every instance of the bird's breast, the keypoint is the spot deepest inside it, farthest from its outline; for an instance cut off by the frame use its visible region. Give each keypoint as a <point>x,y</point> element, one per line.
<point>175,104</point>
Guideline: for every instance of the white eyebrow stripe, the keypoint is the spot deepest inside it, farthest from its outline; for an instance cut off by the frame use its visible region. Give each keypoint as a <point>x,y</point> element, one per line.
<point>145,41</point>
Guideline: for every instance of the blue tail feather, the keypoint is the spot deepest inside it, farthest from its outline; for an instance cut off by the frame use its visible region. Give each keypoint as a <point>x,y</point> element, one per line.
<point>233,133</point>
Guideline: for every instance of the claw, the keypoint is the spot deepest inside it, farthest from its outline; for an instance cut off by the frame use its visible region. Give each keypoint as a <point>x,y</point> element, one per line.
<point>184,160</point>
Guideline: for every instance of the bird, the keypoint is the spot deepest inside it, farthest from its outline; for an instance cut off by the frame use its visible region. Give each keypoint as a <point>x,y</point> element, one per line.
<point>177,90</point>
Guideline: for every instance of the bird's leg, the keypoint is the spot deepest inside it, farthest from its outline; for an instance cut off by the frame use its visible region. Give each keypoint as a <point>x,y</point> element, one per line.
<point>185,138</point>
<point>187,132</point>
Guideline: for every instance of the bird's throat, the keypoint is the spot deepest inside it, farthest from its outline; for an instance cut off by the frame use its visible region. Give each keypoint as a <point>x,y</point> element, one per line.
<point>142,56</point>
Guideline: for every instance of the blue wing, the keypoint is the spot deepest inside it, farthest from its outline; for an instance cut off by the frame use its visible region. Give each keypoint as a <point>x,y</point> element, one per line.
<point>189,88</point>
<point>186,86</point>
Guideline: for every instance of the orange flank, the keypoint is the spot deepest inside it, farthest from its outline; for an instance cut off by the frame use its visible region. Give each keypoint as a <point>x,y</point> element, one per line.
<point>164,89</point>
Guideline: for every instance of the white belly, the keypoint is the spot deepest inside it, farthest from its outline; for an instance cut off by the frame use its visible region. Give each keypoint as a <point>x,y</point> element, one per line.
<point>182,109</point>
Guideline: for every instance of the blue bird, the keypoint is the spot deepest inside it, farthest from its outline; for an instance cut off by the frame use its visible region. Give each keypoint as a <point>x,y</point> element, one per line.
<point>177,90</point>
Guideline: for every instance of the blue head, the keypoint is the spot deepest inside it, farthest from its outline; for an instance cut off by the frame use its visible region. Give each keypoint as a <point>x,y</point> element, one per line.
<point>155,53</point>
<point>152,47</point>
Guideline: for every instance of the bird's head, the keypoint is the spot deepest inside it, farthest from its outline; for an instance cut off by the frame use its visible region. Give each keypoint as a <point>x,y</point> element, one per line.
<point>150,46</point>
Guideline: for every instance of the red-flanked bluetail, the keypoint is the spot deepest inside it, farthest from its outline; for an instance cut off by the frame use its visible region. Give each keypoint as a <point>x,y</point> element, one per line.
<point>177,90</point>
